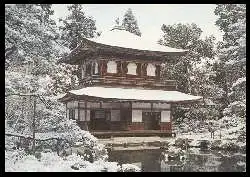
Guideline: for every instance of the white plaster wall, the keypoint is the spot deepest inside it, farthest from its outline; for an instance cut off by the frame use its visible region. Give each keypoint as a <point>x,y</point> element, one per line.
<point>76,114</point>
<point>68,113</point>
<point>131,68</point>
<point>165,116</point>
<point>115,115</point>
<point>151,70</point>
<point>136,115</point>
<point>161,105</point>
<point>96,67</point>
<point>111,67</point>
<point>141,105</point>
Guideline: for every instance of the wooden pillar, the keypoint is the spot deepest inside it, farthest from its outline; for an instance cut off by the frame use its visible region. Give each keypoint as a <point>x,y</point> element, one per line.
<point>142,72</point>
<point>78,107</point>
<point>171,117</point>
<point>138,69</point>
<point>85,115</point>
<point>66,110</point>
<point>158,71</point>
<point>130,111</point>
<point>34,126</point>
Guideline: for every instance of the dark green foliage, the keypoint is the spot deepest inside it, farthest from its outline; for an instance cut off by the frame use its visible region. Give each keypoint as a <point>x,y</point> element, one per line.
<point>77,26</point>
<point>129,22</point>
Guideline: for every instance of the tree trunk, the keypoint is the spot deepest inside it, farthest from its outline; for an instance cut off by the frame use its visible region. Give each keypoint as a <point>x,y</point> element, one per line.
<point>34,126</point>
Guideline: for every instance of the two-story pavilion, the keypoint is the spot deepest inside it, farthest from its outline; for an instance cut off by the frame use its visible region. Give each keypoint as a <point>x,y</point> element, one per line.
<point>121,91</point>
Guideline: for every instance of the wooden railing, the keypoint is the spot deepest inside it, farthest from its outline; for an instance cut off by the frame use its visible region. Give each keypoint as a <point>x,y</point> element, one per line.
<point>132,82</point>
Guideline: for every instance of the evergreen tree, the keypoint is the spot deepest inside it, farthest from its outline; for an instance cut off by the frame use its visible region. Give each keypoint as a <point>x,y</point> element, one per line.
<point>129,22</point>
<point>29,67</point>
<point>232,21</point>
<point>193,72</point>
<point>77,26</point>
<point>186,36</point>
<point>31,44</point>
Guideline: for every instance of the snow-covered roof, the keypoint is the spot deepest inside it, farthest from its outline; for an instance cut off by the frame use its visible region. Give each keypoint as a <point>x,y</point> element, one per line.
<point>135,94</point>
<point>125,39</point>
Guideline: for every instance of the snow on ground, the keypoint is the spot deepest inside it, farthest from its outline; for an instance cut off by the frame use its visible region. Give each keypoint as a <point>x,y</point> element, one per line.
<point>51,162</point>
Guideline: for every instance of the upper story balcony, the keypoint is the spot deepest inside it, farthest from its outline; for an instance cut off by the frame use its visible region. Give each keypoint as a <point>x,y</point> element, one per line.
<point>122,81</point>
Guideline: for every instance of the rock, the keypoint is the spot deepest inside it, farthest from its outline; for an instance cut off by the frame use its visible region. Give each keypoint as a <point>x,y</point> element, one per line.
<point>179,142</point>
<point>173,157</point>
<point>204,144</point>
<point>105,169</point>
<point>216,144</point>
<point>230,146</point>
<point>75,166</point>
<point>38,155</point>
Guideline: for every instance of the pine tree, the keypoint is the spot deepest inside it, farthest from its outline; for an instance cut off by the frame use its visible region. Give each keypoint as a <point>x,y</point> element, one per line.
<point>193,72</point>
<point>129,22</point>
<point>31,45</point>
<point>77,26</point>
<point>31,31</point>
<point>186,36</point>
<point>232,21</point>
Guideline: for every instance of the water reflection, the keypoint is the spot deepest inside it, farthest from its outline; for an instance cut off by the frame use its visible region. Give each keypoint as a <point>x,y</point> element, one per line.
<point>193,160</point>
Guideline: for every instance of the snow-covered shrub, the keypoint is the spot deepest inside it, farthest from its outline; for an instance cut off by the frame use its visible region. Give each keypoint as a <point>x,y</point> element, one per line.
<point>52,162</point>
<point>52,123</point>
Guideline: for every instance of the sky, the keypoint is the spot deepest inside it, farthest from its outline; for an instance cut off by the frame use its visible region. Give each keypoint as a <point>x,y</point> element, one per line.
<point>150,17</point>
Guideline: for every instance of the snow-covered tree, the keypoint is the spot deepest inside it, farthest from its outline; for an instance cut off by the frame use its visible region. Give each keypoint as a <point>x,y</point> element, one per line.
<point>31,45</point>
<point>30,65</point>
<point>193,72</point>
<point>30,37</point>
<point>186,36</point>
<point>129,22</point>
<point>232,21</point>
<point>77,26</point>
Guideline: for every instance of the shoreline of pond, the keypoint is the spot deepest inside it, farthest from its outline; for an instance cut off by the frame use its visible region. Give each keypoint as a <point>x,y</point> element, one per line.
<point>136,143</point>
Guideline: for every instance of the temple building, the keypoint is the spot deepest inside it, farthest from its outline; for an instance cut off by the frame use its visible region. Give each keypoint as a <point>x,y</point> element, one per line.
<point>121,91</point>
